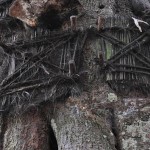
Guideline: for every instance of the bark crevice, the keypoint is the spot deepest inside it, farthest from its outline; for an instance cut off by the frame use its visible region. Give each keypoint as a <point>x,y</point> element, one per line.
<point>52,139</point>
<point>3,128</point>
<point>115,130</point>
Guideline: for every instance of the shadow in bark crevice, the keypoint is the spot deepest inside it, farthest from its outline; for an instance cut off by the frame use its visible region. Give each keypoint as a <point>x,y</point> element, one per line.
<point>3,128</point>
<point>52,139</point>
<point>115,130</point>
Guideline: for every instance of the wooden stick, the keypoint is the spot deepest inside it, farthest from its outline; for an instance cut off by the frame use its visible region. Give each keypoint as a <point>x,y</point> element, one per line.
<point>100,23</point>
<point>73,20</point>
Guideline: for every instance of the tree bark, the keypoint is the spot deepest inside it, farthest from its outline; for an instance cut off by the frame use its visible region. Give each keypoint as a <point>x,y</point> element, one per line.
<point>77,128</point>
<point>28,131</point>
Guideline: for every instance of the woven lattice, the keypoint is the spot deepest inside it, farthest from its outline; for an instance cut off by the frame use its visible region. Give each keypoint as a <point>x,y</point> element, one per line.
<point>38,65</point>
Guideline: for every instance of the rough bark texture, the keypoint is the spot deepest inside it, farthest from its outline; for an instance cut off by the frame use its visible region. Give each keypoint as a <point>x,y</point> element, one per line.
<point>77,128</point>
<point>26,132</point>
<point>134,123</point>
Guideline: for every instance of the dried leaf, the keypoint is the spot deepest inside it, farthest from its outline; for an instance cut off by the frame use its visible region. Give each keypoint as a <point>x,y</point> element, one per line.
<point>137,21</point>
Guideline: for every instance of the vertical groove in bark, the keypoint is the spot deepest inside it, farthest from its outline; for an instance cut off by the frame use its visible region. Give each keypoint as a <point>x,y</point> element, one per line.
<point>115,130</point>
<point>3,127</point>
<point>27,132</point>
<point>52,139</point>
<point>77,129</point>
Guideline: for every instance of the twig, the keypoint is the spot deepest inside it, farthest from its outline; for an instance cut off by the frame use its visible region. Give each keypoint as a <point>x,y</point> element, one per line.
<point>8,80</point>
<point>32,85</point>
<point>126,49</point>
<point>141,60</point>
<point>130,71</point>
<point>131,66</point>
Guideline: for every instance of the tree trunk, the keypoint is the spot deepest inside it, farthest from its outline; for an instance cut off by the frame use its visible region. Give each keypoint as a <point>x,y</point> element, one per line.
<point>27,131</point>
<point>77,128</point>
